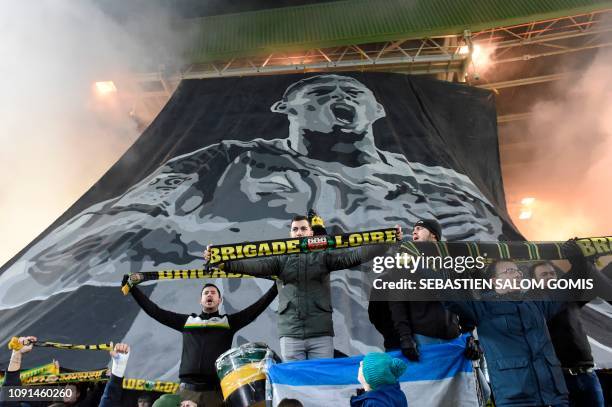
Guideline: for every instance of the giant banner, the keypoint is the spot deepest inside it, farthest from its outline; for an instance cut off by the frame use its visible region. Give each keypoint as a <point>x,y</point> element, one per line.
<point>234,159</point>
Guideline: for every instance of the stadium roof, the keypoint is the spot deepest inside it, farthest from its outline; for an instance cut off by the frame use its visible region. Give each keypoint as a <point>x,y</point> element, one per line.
<point>364,21</point>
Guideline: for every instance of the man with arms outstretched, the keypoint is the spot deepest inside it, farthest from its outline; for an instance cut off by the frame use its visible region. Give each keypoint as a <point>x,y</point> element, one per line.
<point>305,323</point>
<point>205,337</point>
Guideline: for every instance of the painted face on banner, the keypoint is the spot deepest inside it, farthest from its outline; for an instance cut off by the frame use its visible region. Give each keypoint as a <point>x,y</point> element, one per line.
<point>331,102</point>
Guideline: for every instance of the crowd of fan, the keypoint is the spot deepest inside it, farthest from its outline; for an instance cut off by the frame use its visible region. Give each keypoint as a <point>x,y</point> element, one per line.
<point>536,351</point>
<point>375,371</point>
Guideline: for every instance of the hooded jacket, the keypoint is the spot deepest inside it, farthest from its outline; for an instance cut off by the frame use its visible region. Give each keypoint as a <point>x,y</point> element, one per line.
<point>522,364</point>
<point>386,396</point>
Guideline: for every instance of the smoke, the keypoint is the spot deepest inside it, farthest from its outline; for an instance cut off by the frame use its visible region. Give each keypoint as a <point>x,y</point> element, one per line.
<point>568,167</point>
<point>482,58</point>
<point>59,137</point>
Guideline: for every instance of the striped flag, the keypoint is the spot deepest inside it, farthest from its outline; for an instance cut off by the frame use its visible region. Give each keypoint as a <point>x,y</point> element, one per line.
<point>443,377</point>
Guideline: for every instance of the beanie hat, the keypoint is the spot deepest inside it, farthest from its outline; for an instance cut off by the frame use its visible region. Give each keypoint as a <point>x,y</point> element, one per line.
<point>380,369</point>
<point>316,223</point>
<point>432,225</point>
<point>168,400</point>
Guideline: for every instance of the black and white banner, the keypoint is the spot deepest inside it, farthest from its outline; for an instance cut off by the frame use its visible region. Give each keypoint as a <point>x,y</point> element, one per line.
<point>234,159</point>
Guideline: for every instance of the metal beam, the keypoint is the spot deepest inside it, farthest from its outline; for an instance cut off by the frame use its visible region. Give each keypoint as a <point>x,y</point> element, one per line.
<point>527,57</point>
<point>507,118</point>
<point>526,81</point>
<point>552,37</point>
<point>451,61</point>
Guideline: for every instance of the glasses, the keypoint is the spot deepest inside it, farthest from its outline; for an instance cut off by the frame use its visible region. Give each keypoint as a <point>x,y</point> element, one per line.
<point>509,271</point>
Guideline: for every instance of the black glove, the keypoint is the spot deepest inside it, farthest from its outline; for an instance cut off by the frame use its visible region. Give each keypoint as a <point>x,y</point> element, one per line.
<point>472,349</point>
<point>409,348</point>
<point>571,251</point>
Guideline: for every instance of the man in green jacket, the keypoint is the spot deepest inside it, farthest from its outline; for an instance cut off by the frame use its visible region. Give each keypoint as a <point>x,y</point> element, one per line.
<point>305,323</point>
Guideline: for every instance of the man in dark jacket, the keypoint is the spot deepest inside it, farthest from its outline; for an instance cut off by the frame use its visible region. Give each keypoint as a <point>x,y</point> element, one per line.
<point>523,367</point>
<point>416,323</point>
<point>205,337</point>
<point>304,307</point>
<point>423,322</point>
<point>572,347</point>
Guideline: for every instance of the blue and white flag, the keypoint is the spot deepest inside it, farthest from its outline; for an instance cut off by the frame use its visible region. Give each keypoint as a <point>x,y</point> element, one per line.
<point>442,377</point>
